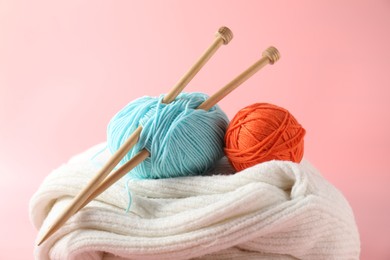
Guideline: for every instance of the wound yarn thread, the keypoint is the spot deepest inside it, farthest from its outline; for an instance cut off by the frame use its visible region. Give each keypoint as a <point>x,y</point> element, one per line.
<point>263,132</point>
<point>181,139</point>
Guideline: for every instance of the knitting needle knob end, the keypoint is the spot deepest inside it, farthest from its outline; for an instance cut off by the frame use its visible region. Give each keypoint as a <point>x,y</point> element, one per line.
<point>272,54</point>
<point>225,33</point>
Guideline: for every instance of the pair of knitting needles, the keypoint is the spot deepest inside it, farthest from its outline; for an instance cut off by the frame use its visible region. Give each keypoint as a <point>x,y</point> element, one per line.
<point>101,182</point>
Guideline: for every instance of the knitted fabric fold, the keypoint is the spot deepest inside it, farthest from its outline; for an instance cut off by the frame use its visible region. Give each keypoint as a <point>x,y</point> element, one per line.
<point>273,210</point>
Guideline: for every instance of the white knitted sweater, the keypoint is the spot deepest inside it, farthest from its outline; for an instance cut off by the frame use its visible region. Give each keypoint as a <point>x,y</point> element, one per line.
<point>274,210</point>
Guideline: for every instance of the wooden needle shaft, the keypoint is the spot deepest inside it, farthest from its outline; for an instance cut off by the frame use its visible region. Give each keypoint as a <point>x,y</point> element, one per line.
<point>206,105</point>
<point>270,55</point>
<point>223,36</point>
<point>116,175</point>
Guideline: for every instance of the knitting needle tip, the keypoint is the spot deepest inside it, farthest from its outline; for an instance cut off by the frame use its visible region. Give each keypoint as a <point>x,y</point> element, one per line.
<point>43,239</point>
<point>47,234</point>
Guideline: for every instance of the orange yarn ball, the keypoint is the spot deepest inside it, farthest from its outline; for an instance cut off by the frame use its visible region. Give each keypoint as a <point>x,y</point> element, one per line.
<point>263,132</point>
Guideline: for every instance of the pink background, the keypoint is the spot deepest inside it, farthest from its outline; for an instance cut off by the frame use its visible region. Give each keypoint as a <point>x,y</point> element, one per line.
<point>67,66</point>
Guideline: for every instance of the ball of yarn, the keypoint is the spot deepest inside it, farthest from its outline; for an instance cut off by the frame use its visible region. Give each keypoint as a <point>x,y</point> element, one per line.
<point>181,139</point>
<point>263,132</point>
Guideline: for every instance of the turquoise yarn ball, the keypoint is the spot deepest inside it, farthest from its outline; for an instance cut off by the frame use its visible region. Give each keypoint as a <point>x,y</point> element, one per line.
<point>181,139</point>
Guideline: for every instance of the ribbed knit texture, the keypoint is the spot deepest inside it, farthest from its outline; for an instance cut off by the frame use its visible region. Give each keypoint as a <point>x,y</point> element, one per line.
<point>274,210</point>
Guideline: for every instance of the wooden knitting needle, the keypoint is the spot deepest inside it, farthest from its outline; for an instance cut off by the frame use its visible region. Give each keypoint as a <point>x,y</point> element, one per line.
<point>223,36</point>
<point>270,56</point>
